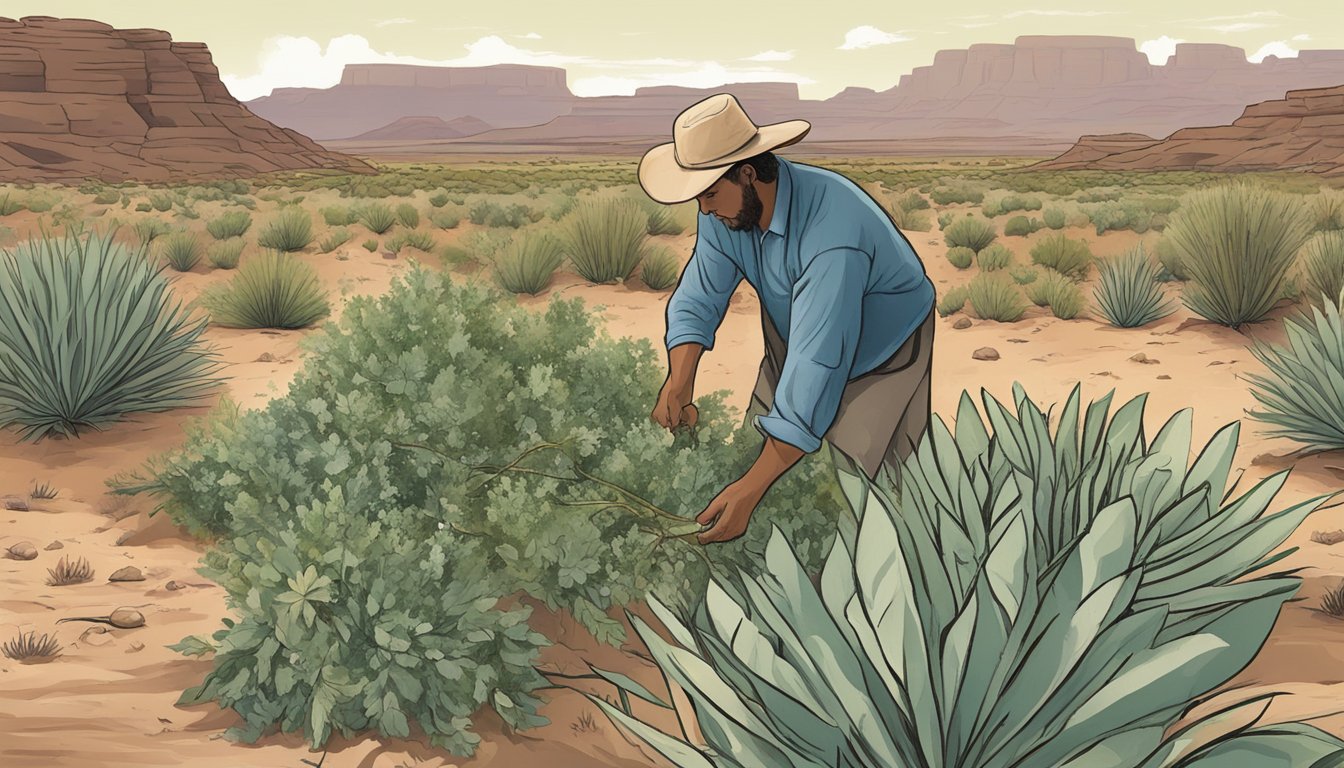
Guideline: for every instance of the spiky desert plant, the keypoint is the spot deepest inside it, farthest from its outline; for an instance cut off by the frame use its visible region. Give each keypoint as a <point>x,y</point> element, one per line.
<point>659,269</point>
<point>605,238</point>
<point>970,232</point>
<point>31,649</point>
<point>960,257</point>
<point>994,257</point>
<point>291,231</point>
<point>44,491</point>
<point>1237,242</point>
<point>226,253</point>
<point>994,296</point>
<point>1016,599</point>
<point>1303,393</point>
<point>953,301</point>
<point>1129,294</point>
<point>1322,263</point>
<point>1327,210</point>
<point>1064,255</point>
<point>273,290</point>
<point>1023,274</point>
<point>88,333</point>
<point>334,239</point>
<point>147,230</point>
<point>528,262</point>
<point>181,250</point>
<point>231,224</point>
<point>376,217</point>
<point>408,216</point>
<point>66,573</point>
<point>1333,602</point>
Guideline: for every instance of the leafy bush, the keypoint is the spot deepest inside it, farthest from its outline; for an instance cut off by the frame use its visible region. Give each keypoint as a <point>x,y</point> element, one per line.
<point>1049,288</point>
<point>994,296</point>
<point>1068,257</point>
<point>291,231</point>
<point>9,205</point>
<point>337,216</point>
<point>274,290</point>
<point>970,232</point>
<point>439,199</point>
<point>954,300</point>
<point>994,257</point>
<point>334,239</point>
<point>225,254</point>
<point>606,239</point>
<point>419,240</point>
<point>376,217</point>
<point>139,351</point>
<point>402,516</point>
<point>1054,218</point>
<point>660,269</point>
<point>445,219</point>
<point>1009,203</point>
<point>1021,226</point>
<point>1129,294</point>
<point>1023,275</point>
<point>146,230</point>
<point>1237,243</point>
<point>408,216</point>
<point>492,214</point>
<point>960,257</point>
<point>182,251</point>
<point>1303,393</point>
<point>1322,264</point>
<point>912,201</point>
<point>1014,601</point>
<point>161,202</point>
<point>143,207</point>
<point>960,192</point>
<point>106,197</point>
<point>231,224</point>
<point>529,262</point>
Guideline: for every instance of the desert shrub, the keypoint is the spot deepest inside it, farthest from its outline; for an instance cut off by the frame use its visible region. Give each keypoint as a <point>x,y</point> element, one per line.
<point>662,218</point>
<point>161,202</point>
<point>1327,210</point>
<point>994,296</point>
<point>1054,218</point>
<point>1069,257</point>
<point>1009,203</point>
<point>419,240</point>
<point>334,239</point>
<point>912,201</point>
<point>231,224</point>
<point>1021,226</point>
<point>439,199</point>
<point>954,300</point>
<point>1011,602</point>
<point>370,245</point>
<point>970,232</point>
<point>959,192</point>
<point>910,221</point>
<point>9,205</point>
<point>139,350</point>
<point>454,255</point>
<point>376,217</point>
<point>107,197</point>
<point>181,250</point>
<point>445,219</point>
<point>1322,264</point>
<point>1062,295</point>
<point>143,208</point>
<point>1023,274</point>
<point>337,216</point>
<point>1237,243</point>
<point>273,290</point>
<point>1169,259</point>
<point>1302,395</point>
<point>660,269</point>
<point>225,254</point>
<point>605,239</point>
<point>1129,294</point>
<point>405,514</point>
<point>491,214</point>
<point>408,216</point>
<point>292,230</point>
<point>960,257</point>
<point>994,257</point>
<point>946,218</point>
<point>527,264</point>
<point>147,230</point>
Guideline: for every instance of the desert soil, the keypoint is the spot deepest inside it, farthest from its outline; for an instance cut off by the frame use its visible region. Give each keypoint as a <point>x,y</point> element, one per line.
<point>109,699</point>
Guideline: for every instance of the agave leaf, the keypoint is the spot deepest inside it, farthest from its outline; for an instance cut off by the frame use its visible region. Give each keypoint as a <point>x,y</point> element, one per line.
<point>683,755</point>
<point>630,685</point>
<point>1288,745</point>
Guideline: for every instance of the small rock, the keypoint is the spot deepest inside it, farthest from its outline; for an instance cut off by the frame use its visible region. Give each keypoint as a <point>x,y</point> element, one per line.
<point>265,357</point>
<point>15,503</point>
<point>962,323</point>
<point>1164,377</point>
<point>129,573</point>
<point>1217,362</point>
<point>54,545</point>
<point>389,255</point>
<point>22,551</point>
<point>985,353</point>
<point>1018,341</point>
<point>173,586</point>
<point>136,645</point>
<point>1142,358</point>
<point>1328,538</point>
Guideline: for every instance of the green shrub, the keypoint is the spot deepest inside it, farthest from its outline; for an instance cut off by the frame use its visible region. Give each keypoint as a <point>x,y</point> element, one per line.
<point>950,194</point>
<point>161,202</point>
<point>994,296</point>
<point>137,349</point>
<point>146,230</point>
<point>419,240</point>
<point>273,290</point>
<point>337,216</point>
<point>370,245</point>
<point>529,262</point>
<point>225,254</point>
<point>291,231</point>
<point>1302,395</point>
<point>492,214</point>
<point>912,201</point>
<point>1322,263</point>
<point>1054,218</point>
<point>1023,274</point>
<point>376,217</point>
<point>104,197</point>
<point>408,216</point>
<point>445,219</point>
<point>662,218</point>
<point>1010,603</point>
<point>960,257</point>
<point>455,256</point>
<point>439,199</point>
<point>606,239</point>
<point>910,221</point>
<point>1327,210</point>
<point>970,232</point>
<point>1170,261</point>
<point>953,301</point>
<point>334,239</point>
<point>231,224</point>
<point>1068,257</point>
<point>1061,294</point>
<point>994,257</point>
<point>945,219</point>
<point>9,205</point>
<point>1129,294</point>
<point>143,207</point>
<point>181,250</point>
<point>660,269</point>
<point>1021,226</point>
<point>1237,242</point>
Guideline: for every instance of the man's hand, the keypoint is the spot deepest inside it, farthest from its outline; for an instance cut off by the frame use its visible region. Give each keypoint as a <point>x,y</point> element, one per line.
<point>730,512</point>
<point>674,407</point>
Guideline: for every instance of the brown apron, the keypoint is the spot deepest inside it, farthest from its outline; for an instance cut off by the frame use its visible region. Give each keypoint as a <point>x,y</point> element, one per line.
<point>883,413</point>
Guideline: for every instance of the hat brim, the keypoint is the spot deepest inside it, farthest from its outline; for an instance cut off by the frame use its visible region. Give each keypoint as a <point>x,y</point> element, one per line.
<point>669,182</point>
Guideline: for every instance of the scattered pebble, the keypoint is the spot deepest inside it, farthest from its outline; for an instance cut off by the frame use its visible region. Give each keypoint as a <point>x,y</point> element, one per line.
<point>985,353</point>
<point>173,586</point>
<point>22,551</point>
<point>54,545</point>
<point>265,357</point>
<point>389,255</point>
<point>1217,362</point>
<point>129,573</point>
<point>1142,358</point>
<point>15,503</point>
<point>1018,341</point>
<point>962,323</point>
<point>1328,538</point>
<point>136,645</point>
<point>1164,377</point>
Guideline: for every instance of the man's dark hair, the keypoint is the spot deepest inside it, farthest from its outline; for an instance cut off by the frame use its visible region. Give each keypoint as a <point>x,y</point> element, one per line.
<point>766,165</point>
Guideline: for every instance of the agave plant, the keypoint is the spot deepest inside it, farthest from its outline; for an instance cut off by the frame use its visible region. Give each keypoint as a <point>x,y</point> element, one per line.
<point>1013,600</point>
<point>1129,295</point>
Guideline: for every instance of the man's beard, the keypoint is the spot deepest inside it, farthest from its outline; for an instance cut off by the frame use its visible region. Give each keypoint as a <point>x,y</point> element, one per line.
<point>750,215</point>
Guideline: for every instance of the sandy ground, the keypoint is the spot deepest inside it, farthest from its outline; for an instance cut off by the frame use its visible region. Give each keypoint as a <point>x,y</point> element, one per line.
<point>109,699</point>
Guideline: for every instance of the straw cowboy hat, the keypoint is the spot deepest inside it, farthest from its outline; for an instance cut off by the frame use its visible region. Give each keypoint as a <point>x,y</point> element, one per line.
<point>707,138</point>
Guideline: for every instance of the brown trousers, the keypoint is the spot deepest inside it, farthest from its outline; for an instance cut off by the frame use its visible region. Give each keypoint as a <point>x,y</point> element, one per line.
<point>883,413</point>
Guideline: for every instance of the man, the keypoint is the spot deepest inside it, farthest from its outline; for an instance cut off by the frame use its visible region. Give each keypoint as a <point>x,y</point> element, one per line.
<point>846,306</point>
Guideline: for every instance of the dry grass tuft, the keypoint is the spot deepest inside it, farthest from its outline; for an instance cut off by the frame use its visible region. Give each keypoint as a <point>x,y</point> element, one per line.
<point>67,573</point>
<point>30,649</point>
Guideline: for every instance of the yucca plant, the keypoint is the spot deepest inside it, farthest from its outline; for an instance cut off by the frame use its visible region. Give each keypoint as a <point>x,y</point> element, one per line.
<point>1303,393</point>
<point>605,238</point>
<point>88,333</point>
<point>1237,242</point>
<point>226,253</point>
<point>528,262</point>
<point>231,224</point>
<point>1129,295</point>
<point>273,290</point>
<point>1322,263</point>
<point>181,250</point>
<point>1011,599</point>
<point>660,269</point>
<point>960,257</point>
<point>291,231</point>
<point>970,232</point>
<point>1066,256</point>
<point>994,296</point>
<point>376,217</point>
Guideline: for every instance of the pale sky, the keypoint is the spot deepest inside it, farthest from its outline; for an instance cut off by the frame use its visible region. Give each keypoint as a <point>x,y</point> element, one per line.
<point>612,47</point>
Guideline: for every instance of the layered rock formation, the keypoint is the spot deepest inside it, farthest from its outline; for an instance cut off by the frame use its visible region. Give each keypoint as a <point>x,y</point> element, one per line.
<point>1303,132</point>
<point>422,128</point>
<point>81,100</point>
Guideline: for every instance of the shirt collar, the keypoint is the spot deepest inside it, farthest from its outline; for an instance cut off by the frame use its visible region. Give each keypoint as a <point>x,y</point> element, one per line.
<point>779,219</point>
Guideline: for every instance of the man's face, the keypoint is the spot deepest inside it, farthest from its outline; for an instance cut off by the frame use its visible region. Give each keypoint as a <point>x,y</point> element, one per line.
<point>736,204</point>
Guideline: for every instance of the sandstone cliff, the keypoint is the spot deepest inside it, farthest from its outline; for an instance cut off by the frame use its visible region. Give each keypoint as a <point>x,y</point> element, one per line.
<point>80,100</point>
<point>423,128</point>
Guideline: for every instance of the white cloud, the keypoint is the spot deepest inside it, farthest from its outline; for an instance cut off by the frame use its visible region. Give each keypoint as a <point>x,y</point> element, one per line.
<point>1242,16</point>
<point>771,55</point>
<point>1276,48</point>
<point>1302,37</point>
<point>1159,50</point>
<point>1241,26</point>
<point>531,36</point>
<point>869,36</point>
<point>707,75</point>
<point>976,25</point>
<point>392,22</point>
<point>1016,14</point>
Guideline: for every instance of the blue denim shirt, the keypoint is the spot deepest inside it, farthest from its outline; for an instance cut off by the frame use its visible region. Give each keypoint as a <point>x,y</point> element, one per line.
<point>841,284</point>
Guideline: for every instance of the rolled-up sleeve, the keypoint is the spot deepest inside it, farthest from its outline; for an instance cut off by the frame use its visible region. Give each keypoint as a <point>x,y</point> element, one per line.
<point>697,306</point>
<point>824,325</point>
